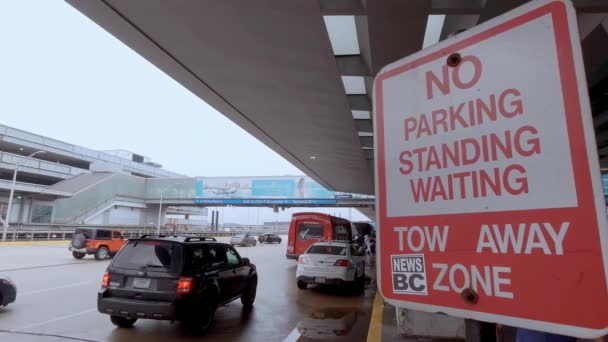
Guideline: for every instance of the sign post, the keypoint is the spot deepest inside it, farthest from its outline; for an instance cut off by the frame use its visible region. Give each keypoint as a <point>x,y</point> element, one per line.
<point>489,195</point>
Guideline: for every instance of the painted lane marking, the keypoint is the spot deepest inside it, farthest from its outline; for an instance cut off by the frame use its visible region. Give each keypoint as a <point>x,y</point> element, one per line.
<point>56,288</point>
<point>56,319</point>
<point>293,336</point>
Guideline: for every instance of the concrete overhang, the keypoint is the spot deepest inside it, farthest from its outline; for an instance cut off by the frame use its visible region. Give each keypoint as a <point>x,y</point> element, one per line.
<point>266,65</point>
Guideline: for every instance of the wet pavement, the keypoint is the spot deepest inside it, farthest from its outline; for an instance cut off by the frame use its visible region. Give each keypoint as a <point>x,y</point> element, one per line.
<point>57,302</point>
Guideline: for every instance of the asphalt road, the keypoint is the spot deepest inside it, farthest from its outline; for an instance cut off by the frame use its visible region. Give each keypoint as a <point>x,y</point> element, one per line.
<point>57,302</point>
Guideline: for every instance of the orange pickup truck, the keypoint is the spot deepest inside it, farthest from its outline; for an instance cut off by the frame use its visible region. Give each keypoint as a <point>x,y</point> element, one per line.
<point>102,243</point>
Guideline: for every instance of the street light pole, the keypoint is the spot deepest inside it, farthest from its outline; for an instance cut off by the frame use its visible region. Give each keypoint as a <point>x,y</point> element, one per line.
<point>160,210</point>
<point>12,193</point>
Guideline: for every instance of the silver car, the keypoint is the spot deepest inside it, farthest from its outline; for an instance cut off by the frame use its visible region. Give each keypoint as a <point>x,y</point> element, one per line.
<point>243,240</point>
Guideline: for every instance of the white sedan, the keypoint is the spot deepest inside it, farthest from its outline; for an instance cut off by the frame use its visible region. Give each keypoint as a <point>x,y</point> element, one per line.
<point>331,263</point>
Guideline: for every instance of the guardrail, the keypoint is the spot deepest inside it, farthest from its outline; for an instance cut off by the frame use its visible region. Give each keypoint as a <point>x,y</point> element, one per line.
<point>67,234</point>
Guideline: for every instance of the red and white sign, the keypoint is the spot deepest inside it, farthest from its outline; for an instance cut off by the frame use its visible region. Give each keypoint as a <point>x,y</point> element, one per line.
<point>488,177</point>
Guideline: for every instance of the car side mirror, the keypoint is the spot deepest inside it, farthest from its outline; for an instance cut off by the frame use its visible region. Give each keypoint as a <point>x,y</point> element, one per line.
<point>245,262</point>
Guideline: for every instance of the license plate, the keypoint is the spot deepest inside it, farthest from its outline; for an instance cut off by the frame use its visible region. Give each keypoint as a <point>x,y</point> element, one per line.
<point>141,283</point>
<point>318,315</point>
<point>319,280</point>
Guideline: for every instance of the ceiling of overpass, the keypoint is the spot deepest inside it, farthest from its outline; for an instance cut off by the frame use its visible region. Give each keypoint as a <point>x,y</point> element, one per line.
<point>297,74</point>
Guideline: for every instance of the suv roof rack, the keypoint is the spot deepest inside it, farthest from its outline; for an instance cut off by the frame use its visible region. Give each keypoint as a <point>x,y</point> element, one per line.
<point>146,236</point>
<point>197,238</point>
<point>185,238</point>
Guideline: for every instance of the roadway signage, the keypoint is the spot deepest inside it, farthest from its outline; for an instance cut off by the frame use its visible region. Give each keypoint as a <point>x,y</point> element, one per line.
<point>264,201</point>
<point>489,194</point>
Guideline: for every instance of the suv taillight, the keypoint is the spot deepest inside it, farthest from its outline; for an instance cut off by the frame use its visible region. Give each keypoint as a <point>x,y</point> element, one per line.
<point>184,285</point>
<point>105,280</point>
<point>302,260</point>
<point>341,263</point>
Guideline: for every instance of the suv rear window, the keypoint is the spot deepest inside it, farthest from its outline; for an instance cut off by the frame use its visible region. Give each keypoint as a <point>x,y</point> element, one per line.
<point>150,255</point>
<point>325,249</point>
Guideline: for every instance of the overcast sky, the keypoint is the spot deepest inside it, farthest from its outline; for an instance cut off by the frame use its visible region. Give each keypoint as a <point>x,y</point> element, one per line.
<point>64,77</point>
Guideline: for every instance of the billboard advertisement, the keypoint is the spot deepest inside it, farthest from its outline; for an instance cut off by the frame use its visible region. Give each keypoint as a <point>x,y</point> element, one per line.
<point>261,187</point>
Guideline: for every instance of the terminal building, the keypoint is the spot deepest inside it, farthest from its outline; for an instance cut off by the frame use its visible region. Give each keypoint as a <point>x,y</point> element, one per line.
<point>58,183</point>
<point>44,164</point>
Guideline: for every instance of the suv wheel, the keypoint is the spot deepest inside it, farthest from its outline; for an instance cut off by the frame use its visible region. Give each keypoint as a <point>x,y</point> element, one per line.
<point>248,296</point>
<point>201,323</point>
<point>102,253</point>
<point>78,255</point>
<point>302,285</point>
<point>123,322</point>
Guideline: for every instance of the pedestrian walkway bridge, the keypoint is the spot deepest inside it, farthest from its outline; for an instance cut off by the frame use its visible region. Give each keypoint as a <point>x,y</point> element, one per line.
<point>96,192</point>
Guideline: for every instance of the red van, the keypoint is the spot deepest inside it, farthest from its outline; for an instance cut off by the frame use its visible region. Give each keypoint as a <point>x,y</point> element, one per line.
<point>308,228</point>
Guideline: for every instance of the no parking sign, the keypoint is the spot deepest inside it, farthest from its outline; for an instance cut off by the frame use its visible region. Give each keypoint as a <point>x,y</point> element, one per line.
<point>489,199</point>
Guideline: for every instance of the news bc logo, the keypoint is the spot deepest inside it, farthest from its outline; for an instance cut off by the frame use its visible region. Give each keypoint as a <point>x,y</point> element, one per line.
<point>409,274</point>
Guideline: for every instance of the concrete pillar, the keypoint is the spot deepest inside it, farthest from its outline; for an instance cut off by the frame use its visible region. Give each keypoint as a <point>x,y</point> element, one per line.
<point>477,331</point>
<point>22,217</point>
<point>27,210</point>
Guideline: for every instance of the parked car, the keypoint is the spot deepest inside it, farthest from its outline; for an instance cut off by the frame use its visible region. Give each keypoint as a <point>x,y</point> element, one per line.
<point>243,240</point>
<point>331,263</point>
<point>175,279</point>
<point>8,290</point>
<point>102,243</point>
<point>269,238</point>
<point>308,228</point>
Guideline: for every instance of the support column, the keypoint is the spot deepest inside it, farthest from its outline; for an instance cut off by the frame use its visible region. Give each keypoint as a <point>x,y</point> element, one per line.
<point>477,331</point>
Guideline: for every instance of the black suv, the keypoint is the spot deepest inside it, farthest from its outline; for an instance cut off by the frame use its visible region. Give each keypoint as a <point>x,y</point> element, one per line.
<point>175,278</point>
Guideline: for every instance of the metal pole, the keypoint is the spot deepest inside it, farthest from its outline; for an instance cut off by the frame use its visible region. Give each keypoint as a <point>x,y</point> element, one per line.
<point>10,203</point>
<point>217,218</point>
<point>160,209</point>
<point>10,198</point>
<point>212,220</point>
